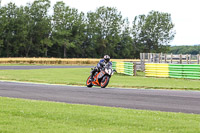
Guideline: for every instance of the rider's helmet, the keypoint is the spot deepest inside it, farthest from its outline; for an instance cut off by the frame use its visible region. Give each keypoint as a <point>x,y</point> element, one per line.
<point>106,58</point>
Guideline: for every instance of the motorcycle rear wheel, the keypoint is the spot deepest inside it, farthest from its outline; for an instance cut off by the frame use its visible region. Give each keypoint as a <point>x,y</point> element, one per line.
<point>88,82</point>
<point>105,81</point>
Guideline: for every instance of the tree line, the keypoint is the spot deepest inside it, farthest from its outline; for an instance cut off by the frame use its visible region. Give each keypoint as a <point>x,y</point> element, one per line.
<point>32,31</point>
<point>193,50</point>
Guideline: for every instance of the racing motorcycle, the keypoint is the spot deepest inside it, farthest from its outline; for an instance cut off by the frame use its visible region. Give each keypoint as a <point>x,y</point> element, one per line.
<point>101,78</point>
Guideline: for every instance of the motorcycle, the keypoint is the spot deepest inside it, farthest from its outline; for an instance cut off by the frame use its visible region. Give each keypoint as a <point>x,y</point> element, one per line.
<point>101,78</point>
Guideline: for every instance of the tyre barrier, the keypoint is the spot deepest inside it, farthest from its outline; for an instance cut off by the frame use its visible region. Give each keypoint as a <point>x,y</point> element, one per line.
<point>189,71</point>
<point>124,67</point>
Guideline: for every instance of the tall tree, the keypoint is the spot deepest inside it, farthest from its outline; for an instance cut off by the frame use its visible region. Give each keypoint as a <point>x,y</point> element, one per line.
<point>92,35</point>
<point>124,48</point>
<point>34,28</point>
<point>8,30</point>
<point>78,36</point>
<point>64,20</point>
<point>104,28</point>
<point>40,29</point>
<point>152,33</point>
<point>21,32</point>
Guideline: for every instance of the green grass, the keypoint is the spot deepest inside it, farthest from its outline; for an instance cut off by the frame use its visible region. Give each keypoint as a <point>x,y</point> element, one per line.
<point>78,76</point>
<point>20,116</point>
<point>34,64</point>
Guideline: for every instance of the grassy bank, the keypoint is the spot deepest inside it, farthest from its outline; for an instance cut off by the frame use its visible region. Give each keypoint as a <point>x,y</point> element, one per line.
<point>20,116</point>
<point>78,76</point>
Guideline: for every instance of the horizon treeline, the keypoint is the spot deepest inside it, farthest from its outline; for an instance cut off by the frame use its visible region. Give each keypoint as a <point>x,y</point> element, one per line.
<point>193,50</point>
<point>30,31</point>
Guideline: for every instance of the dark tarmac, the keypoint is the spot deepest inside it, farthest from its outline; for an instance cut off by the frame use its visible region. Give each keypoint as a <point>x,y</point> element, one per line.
<point>143,99</point>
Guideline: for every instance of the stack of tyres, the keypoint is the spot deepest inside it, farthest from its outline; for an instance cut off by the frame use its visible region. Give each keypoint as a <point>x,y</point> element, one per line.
<point>188,71</point>
<point>123,67</point>
<point>120,67</point>
<point>162,70</point>
<point>150,70</point>
<point>175,70</point>
<point>114,65</point>
<point>128,68</point>
<point>157,70</point>
<point>191,71</point>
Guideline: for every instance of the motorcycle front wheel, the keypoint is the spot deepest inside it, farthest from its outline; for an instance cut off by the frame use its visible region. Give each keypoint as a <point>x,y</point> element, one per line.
<point>105,81</point>
<point>88,82</point>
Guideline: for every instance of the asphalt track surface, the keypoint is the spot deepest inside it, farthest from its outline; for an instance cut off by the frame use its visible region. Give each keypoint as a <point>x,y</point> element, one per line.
<point>159,100</point>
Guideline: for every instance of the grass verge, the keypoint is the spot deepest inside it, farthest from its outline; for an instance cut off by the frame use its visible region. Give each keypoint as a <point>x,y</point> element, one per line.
<point>21,64</point>
<point>78,76</point>
<point>19,115</point>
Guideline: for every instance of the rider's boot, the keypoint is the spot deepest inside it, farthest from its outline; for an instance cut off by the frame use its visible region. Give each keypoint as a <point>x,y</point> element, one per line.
<point>91,79</point>
<point>92,75</point>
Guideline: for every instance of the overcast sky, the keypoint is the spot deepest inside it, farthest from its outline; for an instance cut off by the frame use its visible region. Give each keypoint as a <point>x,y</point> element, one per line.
<point>185,13</point>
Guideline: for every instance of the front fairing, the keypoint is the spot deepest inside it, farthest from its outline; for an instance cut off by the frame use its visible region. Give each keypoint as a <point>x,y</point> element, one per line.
<point>101,74</point>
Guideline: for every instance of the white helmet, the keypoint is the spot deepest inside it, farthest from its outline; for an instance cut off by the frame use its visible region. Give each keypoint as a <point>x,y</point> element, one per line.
<point>106,58</point>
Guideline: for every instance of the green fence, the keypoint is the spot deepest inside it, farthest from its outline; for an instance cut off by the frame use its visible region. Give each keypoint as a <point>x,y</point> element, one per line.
<point>124,67</point>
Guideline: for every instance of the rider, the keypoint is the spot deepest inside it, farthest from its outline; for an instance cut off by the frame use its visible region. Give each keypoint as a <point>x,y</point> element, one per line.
<point>100,65</point>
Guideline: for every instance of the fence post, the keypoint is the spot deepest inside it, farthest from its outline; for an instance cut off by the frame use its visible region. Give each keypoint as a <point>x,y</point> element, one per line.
<point>180,58</point>
<point>198,59</point>
<point>171,58</point>
<point>154,58</point>
<point>135,69</point>
<point>159,57</point>
<point>144,57</point>
<point>187,58</point>
<point>141,60</point>
<point>149,58</point>
<point>165,58</point>
<point>143,67</point>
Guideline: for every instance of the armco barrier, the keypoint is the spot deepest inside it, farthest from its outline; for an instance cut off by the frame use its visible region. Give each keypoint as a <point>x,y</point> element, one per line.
<point>191,71</point>
<point>123,67</point>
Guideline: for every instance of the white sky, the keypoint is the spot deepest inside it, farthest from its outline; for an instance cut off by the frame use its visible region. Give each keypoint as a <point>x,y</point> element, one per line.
<point>184,13</point>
